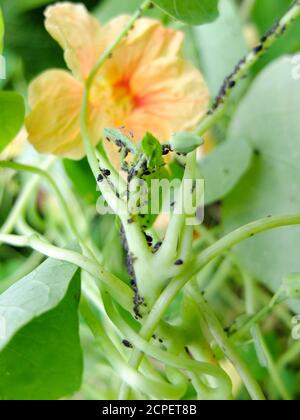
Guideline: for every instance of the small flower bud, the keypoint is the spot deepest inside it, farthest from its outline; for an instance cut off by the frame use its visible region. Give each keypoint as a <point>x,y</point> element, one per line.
<point>185,142</point>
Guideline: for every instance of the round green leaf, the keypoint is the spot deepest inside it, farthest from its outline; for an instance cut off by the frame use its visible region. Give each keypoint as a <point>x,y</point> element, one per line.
<point>40,353</point>
<point>220,44</point>
<point>194,12</point>
<point>224,167</point>
<point>12,114</point>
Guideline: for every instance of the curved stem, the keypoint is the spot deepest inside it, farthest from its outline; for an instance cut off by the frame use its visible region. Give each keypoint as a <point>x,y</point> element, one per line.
<point>64,206</point>
<point>159,389</point>
<point>169,248</point>
<point>118,290</point>
<point>207,256</point>
<point>241,234</point>
<point>224,343</point>
<point>223,389</point>
<point>24,197</point>
<point>262,350</point>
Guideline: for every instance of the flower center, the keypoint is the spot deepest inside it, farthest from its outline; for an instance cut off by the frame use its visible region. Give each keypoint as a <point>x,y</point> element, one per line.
<point>116,100</point>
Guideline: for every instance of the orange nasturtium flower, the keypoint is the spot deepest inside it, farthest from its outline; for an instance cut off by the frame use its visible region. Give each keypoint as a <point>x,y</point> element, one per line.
<point>145,85</point>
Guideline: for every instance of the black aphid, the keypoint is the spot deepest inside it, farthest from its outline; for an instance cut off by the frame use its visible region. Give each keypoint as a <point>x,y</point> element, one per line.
<point>127,344</point>
<point>166,148</point>
<point>258,48</point>
<point>148,238</point>
<point>106,172</point>
<point>157,246</point>
<point>130,258</point>
<point>178,262</point>
<point>99,178</point>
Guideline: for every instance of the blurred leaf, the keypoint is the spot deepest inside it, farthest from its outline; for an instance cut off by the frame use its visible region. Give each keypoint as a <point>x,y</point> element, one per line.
<point>12,114</point>
<point>82,179</point>
<point>24,5</point>
<point>223,168</point>
<point>40,350</point>
<point>193,12</point>
<point>24,30</point>
<point>1,31</point>
<point>268,119</point>
<point>221,45</point>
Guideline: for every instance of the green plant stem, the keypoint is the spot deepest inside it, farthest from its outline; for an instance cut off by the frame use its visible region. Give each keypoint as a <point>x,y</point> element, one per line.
<point>242,68</point>
<point>219,278</point>
<point>207,255</point>
<point>255,319</point>
<point>290,355</point>
<point>168,250</point>
<point>262,350</point>
<point>118,290</point>
<point>224,343</point>
<point>158,389</point>
<point>208,237</point>
<point>223,391</point>
<point>241,234</point>
<point>44,174</point>
<point>24,197</point>
<point>273,370</point>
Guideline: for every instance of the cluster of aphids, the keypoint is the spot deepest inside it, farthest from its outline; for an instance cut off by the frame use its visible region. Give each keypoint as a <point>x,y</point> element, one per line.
<point>104,173</point>
<point>130,259</point>
<point>231,80</point>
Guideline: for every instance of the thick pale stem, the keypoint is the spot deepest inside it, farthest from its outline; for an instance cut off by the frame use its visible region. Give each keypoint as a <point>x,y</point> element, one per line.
<point>169,248</point>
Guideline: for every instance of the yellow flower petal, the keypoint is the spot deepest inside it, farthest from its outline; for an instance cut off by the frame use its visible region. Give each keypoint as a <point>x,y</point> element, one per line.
<point>144,85</point>
<point>141,121</point>
<point>172,90</point>
<point>78,33</point>
<point>148,40</point>
<point>54,123</point>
